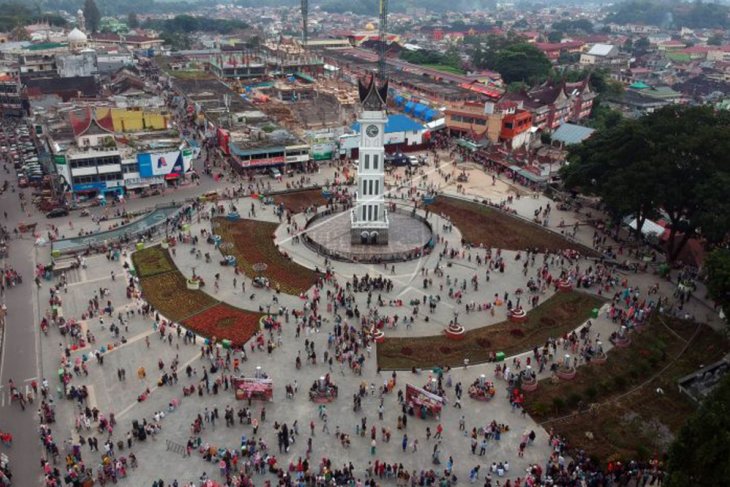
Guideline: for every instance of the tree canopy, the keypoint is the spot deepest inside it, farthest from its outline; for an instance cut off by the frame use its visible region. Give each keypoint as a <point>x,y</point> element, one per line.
<point>92,16</point>
<point>512,57</point>
<point>700,454</point>
<point>13,15</point>
<point>717,266</point>
<point>184,24</point>
<point>675,161</point>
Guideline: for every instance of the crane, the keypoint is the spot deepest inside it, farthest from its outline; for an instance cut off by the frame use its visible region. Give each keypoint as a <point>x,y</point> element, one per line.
<point>382,35</point>
<point>305,18</point>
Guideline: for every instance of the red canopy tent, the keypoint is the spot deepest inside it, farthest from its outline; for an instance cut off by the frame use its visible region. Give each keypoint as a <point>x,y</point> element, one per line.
<point>253,388</point>
<point>422,400</point>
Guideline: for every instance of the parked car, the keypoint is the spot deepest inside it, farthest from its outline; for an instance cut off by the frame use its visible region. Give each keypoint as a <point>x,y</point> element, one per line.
<point>57,213</point>
<point>275,173</point>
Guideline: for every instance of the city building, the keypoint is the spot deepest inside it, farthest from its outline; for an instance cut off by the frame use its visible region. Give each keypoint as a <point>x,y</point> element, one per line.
<point>504,122</point>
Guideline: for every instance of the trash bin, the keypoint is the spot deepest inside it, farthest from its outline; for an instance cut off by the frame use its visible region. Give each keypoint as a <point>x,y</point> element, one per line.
<point>499,356</point>
<point>226,343</point>
<point>594,313</point>
<point>55,253</point>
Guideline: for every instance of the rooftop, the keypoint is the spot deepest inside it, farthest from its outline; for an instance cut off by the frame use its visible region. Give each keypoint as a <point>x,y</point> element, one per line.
<point>569,133</point>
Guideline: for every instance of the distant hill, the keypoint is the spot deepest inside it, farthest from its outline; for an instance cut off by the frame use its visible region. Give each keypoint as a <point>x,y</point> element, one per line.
<point>371,7</point>
<point>696,15</point>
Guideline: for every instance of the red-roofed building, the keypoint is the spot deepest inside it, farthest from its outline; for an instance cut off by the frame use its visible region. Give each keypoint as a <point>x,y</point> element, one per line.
<point>109,39</point>
<point>553,49</point>
<point>501,123</point>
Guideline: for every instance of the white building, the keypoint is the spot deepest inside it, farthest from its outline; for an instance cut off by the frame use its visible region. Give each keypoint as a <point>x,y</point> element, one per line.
<point>599,54</point>
<point>369,218</point>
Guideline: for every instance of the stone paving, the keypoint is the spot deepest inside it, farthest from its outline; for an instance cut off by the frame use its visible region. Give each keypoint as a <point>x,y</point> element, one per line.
<point>144,349</point>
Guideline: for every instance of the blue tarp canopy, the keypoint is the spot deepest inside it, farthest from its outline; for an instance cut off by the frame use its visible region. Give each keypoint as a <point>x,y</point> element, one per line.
<point>430,115</point>
<point>399,100</point>
<point>396,123</point>
<point>419,110</point>
<point>410,106</point>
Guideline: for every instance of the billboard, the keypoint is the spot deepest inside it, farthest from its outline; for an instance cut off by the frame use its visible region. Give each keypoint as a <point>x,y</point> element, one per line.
<point>160,164</point>
<point>323,151</point>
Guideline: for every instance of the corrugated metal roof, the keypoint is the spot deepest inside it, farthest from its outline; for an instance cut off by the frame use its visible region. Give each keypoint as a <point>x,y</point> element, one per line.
<point>569,133</point>
<point>396,123</point>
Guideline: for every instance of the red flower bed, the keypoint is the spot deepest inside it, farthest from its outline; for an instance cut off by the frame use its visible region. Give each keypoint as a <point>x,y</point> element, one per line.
<point>223,321</point>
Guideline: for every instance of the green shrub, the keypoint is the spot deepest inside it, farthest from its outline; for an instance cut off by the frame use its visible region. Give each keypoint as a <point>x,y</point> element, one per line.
<point>591,393</point>
<point>558,404</point>
<point>573,399</point>
<point>619,382</point>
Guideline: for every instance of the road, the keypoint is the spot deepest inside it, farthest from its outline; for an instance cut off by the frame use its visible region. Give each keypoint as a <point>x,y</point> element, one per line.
<point>19,360</point>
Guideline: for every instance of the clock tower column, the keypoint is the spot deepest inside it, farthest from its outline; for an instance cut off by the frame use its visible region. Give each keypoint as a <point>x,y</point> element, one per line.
<point>369,218</point>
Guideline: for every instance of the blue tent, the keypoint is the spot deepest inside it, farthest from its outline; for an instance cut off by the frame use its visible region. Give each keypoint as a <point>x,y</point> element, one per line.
<point>399,100</point>
<point>431,115</point>
<point>410,106</point>
<point>419,110</point>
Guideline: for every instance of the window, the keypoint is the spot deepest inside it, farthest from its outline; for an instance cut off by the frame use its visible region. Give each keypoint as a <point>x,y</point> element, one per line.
<point>375,213</point>
<point>370,213</point>
<point>366,159</point>
<point>377,187</point>
<point>375,161</point>
<point>370,187</point>
<point>363,212</point>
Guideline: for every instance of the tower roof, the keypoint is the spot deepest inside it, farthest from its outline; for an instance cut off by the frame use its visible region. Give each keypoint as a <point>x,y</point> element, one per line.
<point>373,97</point>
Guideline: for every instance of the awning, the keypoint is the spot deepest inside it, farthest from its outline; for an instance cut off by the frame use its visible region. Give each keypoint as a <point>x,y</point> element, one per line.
<point>419,110</point>
<point>530,176</point>
<point>399,100</point>
<point>410,106</point>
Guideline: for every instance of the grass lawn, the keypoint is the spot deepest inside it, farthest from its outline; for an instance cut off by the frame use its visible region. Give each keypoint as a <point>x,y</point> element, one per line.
<point>445,68</point>
<point>643,422</point>
<point>553,318</point>
<point>253,243</point>
<point>190,74</point>
<point>480,224</point>
<point>298,201</point>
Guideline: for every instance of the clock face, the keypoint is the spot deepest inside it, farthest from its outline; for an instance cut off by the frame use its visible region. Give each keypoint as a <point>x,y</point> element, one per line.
<point>372,131</point>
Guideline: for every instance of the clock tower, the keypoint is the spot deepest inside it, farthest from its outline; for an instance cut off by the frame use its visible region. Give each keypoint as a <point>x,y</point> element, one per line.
<point>369,217</point>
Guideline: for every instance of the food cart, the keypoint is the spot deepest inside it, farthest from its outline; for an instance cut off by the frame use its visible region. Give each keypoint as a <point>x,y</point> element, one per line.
<point>422,403</point>
<point>253,388</point>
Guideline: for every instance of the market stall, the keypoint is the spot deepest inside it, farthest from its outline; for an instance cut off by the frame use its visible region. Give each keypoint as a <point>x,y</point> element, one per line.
<point>422,403</point>
<point>253,388</point>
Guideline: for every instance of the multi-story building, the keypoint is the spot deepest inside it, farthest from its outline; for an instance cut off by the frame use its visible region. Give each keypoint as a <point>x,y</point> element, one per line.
<point>504,122</point>
<point>552,104</point>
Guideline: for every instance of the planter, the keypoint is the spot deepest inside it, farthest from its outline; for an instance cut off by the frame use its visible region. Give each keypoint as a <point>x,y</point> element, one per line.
<point>518,315</point>
<point>378,336</point>
<point>529,385</point>
<point>233,217</point>
<point>622,342</point>
<point>600,359</point>
<point>566,374</point>
<point>193,284</point>
<point>455,332</point>
<point>564,285</point>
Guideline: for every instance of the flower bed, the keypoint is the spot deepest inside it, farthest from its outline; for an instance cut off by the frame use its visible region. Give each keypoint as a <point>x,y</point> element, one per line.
<point>642,421</point>
<point>252,243</point>
<point>169,294</point>
<point>225,322</point>
<point>152,261</point>
<point>561,313</point>
<point>298,201</point>
<point>493,228</point>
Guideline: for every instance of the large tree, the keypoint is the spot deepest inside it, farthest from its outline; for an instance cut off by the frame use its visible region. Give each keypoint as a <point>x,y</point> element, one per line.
<point>700,454</point>
<point>675,161</point>
<point>92,16</point>
<point>717,265</point>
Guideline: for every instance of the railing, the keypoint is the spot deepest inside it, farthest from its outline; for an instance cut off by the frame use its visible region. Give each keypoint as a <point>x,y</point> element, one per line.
<point>357,257</point>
